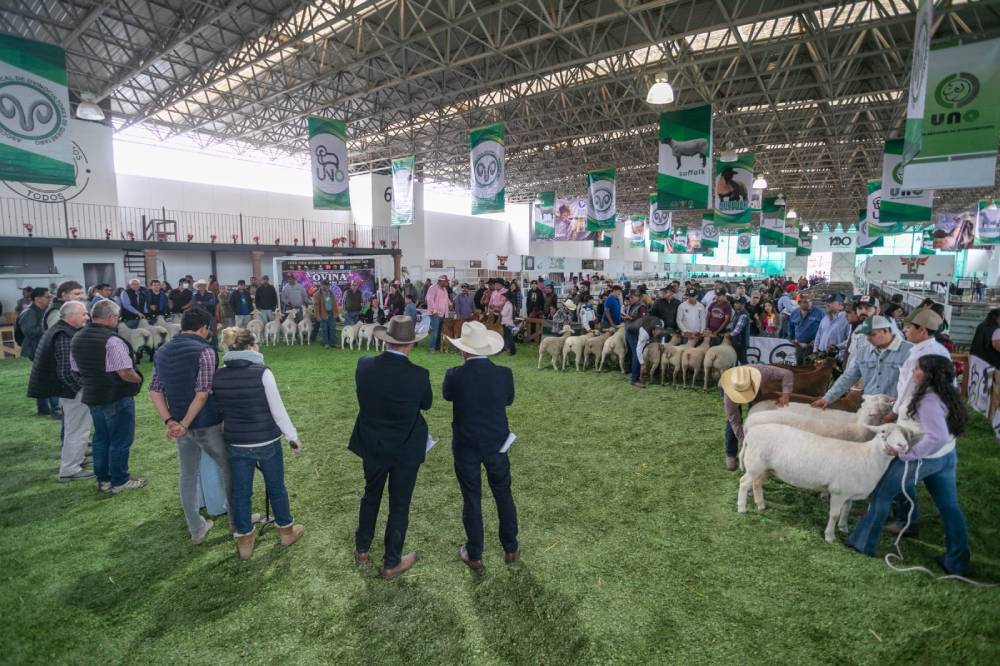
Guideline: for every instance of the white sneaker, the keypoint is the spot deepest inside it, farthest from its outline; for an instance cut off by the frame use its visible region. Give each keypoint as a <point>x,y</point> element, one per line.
<point>131,484</point>
<point>199,538</point>
<point>104,486</point>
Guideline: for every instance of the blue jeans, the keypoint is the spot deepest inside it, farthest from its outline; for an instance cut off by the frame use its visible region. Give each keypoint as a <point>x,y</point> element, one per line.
<point>508,341</point>
<point>632,339</point>
<point>938,475</point>
<point>114,432</point>
<point>46,406</point>
<point>242,462</point>
<point>328,331</point>
<point>435,331</point>
<point>351,317</point>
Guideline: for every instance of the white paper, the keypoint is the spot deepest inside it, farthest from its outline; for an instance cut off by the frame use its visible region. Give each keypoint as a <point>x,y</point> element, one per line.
<point>508,443</point>
<point>430,443</point>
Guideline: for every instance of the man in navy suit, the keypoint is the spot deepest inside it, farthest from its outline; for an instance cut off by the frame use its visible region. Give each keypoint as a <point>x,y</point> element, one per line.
<point>390,436</point>
<point>481,393</point>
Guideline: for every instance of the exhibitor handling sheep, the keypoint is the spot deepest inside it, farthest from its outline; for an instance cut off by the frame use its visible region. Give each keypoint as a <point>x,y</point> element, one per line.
<point>741,386</point>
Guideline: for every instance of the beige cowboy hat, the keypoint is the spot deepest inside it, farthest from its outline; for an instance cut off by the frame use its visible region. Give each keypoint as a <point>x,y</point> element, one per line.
<point>740,384</point>
<point>477,339</point>
<point>569,305</point>
<point>566,329</point>
<point>400,331</point>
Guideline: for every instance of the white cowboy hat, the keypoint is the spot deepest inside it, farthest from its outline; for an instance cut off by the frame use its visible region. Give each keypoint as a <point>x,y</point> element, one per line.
<point>477,339</point>
<point>569,305</point>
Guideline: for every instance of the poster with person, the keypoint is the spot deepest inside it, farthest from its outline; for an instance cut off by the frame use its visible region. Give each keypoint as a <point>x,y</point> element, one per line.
<point>987,223</point>
<point>734,204</point>
<point>340,271</point>
<point>571,220</point>
<point>954,231</point>
<point>635,231</point>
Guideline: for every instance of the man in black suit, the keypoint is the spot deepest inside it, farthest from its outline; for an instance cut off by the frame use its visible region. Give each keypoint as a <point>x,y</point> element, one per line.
<point>481,393</point>
<point>390,436</point>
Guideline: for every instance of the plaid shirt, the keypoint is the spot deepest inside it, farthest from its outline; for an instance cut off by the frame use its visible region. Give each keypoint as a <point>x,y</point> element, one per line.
<point>202,381</point>
<point>116,357</point>
<point>64,371</point>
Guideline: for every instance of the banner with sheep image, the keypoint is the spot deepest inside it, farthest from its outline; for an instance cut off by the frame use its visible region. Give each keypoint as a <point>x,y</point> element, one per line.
<point>635,231</point>
<point>898,203</point>
<point>543,216</point>
<point>328,151</point>
<point>684,175</point>
<point>660,221</point>
<point>488,178</point>
<point>603,209</point>
<point>804,247</point>
<point>732,191</point>
<point>402,190</point>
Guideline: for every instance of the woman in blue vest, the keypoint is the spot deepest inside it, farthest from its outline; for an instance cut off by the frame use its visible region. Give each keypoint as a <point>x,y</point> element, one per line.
<point>253,421</point>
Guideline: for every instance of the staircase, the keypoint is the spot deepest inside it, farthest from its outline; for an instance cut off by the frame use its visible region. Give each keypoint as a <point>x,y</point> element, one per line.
<point>135,264</point>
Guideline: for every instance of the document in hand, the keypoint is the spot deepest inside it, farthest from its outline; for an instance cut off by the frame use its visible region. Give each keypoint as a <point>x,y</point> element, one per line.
<point>430,443</point>
<point>509,443</point>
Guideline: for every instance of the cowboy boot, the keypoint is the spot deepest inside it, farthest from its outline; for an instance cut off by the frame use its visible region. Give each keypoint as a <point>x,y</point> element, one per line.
<point>290,534</point>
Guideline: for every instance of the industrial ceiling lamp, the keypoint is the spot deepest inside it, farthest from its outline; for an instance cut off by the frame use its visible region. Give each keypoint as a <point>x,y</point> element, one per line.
<point>759,183</point>
<point>792,215</point>
<point>661,92</point>
<point>729,154</point>
<point>780,201</point>
<point>88,110</point>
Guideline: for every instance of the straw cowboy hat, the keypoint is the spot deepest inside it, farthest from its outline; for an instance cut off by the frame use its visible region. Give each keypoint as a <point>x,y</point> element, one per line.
<point>566,329</point>
<point>400,331</point>
<point>477,339</point>
<point>740,384</point>
<point>569,305</point>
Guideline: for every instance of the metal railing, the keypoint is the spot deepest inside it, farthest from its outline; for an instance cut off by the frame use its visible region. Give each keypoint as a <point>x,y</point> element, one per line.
<point>25,218</point>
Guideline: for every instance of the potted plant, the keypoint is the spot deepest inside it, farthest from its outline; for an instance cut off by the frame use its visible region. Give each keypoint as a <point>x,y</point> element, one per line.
<point>256,240</point>
<point>73,231</point>
<point>277,241</point>
<point>235,238</point>
<point>29,228</point>
<point>295,241</point>
<point>213,237</point>
<point>130,235</point>
<point>107,234</point>
<point>190,237</point>
<point>314,242</point>
<point>161,236</point>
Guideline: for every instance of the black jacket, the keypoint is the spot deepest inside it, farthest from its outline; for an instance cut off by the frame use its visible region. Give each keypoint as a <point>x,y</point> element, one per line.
<point>266,297</point>
<point>666,310</point>
<point>389,428</point>
<point>480,393</point>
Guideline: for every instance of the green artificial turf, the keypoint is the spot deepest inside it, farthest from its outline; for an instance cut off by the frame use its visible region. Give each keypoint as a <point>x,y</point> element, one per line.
<point>632,551</point>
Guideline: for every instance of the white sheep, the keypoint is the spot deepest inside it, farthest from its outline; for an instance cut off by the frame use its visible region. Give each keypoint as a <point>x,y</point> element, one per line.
<point>614,345</point>
<point>351,335</point>
<point>829,423</point>
<point>305,328</point>
<point>670,357</point>
<point>846,470</point>
<point>271,330</point>
<point>256,326</point>
<point>575,345</point>
<point>692,359</point>
<point>171,327</point>
<point>158,335</point>
<point>289,328</point>
<point>593,347</point>
<point>367,336</point>
<point>136,337</point>
<point>553,346</point>
<point>688,148</point>
<point>720,358</point>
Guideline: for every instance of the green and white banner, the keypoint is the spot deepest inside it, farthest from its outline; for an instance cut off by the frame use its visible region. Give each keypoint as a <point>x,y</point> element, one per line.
<point>544,216</point>
<point>774,231</point>
<point>35,143</point>
<point>402,190</point>
<point>680,240</point>
<point>864,242</point>
<point>733,209</point>
<point>898,203</point>
<point>684,177</point>
<point>987,223</point>
<point>961,119</point>
<point>328,151</point>
<point>876,227</point>
<point>635,231</point>
<point>918,81</point>
<point>657,246</point>
<point>709,231</point>
<point>660,221</point>
<point>486,158</point>
<point>743,243</point>
<point>602,208</point>
<point>804,247</point>
<point>927,242</point>
<point>603,239</point>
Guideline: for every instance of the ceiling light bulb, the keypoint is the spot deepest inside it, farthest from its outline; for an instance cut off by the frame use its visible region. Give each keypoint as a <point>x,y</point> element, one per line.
<point>759,183</point>
<point>87,110</point>
<point>780,201</point>
<point>729,154</point>
<point>661,92</point>
<point>792,215</point>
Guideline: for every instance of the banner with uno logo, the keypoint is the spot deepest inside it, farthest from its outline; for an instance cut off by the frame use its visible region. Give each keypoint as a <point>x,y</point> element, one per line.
<point>328,153</point>
<point>603,209</point>
<point>900,205</point>
<point>35,143</point>
<point>486,158</point>
<point>660,221</point>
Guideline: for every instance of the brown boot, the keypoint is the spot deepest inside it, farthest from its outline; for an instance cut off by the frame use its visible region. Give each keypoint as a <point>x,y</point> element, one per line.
<point>475,565</point>
<point>244,545</point>
<point>405,564</point>
<point>360,559</point>
<point>290,534</point>
<point>511,558</point>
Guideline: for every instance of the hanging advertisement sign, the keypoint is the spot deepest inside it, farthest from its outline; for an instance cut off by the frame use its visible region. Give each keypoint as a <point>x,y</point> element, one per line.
<point>987,223</point>
<point>684,176</point>
<point>837,243</point>
<point>657,246</point>
<point>660,221</point>
<point>709,231</point>
<point>488,177</point>
<point>543,216</point>
<point>961,119</point>
<point>693,240</point>
<point>680,239</point>
<point>602,239</point>
<point>340,271</point>
<point>927,242</point>
<point>954,231</point>
<point>743,243</point>
<point>894,267</point>
<point>603,210</point>
<point>571,220</point>
<point>772,225</point>
<point>732,190</point>
<point>918,81</point>
<point>402,190</point>
<point>876,227</point>
<point>804,248</point>
<point>35,141</point>
<point>635,231</point>
<point>898,203</point>
<point>328,152</point>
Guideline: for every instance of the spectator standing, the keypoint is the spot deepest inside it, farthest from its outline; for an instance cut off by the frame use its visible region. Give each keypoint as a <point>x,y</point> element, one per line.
<point>241,303</point>
<point>410,308</point>
<point>739,329</point>
<point>181,392</point>
<point>326,310</point>
<point>536,301</point>
<point>266,299</point>
<point>25,301</point>
<point>465,306</point>
<point>786,306</point>
<point>507,321</point>
<point>224,313</point>
<point>52,376</point>
<point>665,308</point>
<point>180,298</point>
<point>711,295</point>
<point>834,330</point>
<point>718,316</point>
<point>203,299</point>
<point>67,291</point>
<point>587,314</point>
<point>767,320</point>
<point>550,303</point>
<point>803,325</point>
<point>638,334</point>
<point>293,296</point>
<point>352,303</point>
<point>516,296</point>
<point>253,420</point>
<point>613,307</point>
<point>28,331</point>
<point>437,306</point>
<point>691,315</point>
<point>133,303</point>
<point>110,381</point>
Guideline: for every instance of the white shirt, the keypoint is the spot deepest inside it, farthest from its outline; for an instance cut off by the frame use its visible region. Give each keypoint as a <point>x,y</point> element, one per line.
<point>587,316</point>
<point>708,298</point>
<point>904,385</point>
<point>691,317</point>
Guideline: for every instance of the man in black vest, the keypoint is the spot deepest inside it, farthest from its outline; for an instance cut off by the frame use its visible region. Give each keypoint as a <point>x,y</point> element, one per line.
<point>638,334</point>
<point>107,371</point>
<point>52,376</point>
<point>665,308</point>
<point>390,436</point>
<point>481,393</point>
<point>28,330</point>
<point>181,391</point>
<point>133,303</point>
<point>180,298</point>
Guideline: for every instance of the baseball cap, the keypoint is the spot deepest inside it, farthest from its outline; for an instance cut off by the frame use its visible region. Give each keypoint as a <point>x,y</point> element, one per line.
<point>442,278</point>
<point>691,292</point>
<point>875,323</point>
<point>927,319</point>
<point>868,301</point>
<point>834,298</point>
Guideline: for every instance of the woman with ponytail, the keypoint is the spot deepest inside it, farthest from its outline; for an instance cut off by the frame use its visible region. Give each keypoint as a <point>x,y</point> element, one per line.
<point>253,421</point>
<point>937,414</point>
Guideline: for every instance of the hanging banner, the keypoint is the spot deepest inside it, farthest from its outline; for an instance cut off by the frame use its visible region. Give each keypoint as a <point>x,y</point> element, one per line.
<point>804,247</point>
<point>954,231</point>
<point>987,223</point>
<point>602,239</point>
<point>35,142</point>
<point>898,203</point>
<point>918,81</point>
<point>635,231</point>
<point>680,239</point>
<point>602,210</point>
<point>961,119</point>
<point>864,242</point>
<point>876,227</point>
<point>772,224</point>
<point>486,160</point>
<point>543,216</point>
<point>402,190</point>
<point>693,241</point>
<point>571,220</point>
<point>927,242</point>
<point>709,232</point>
<point>657,246</point>
<point>743,243</point>
<point>684,179</point>
<point>328,150</point>
<point>660,221</point>
<point>732,193</point>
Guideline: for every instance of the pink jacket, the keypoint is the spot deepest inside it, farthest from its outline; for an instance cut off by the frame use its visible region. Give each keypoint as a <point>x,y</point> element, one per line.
<point>437,301</point>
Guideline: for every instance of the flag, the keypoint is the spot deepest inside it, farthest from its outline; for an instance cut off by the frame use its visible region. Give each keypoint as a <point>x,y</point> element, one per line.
<point>680,239</point>
<point>486,159</point>
<point>987,230</point>
<point>635,232</point>
<point>733,193</point>
<point>660,221</point>
<point>602,210</point>
<point>918,81</point>
<point>657,246</point>
<point>684,176</point>
<point>402,190</point>
<point>743,243</point>
<point>898,203</point>
<point>543,214</point>
<point>927,242</point>
<point>804,247</point>
<point>328,151</point>
<point>876,227</point>
<point>709,232</point>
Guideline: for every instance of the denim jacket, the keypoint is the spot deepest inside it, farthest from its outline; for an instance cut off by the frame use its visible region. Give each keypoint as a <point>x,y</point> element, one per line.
<point>879,368</point>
